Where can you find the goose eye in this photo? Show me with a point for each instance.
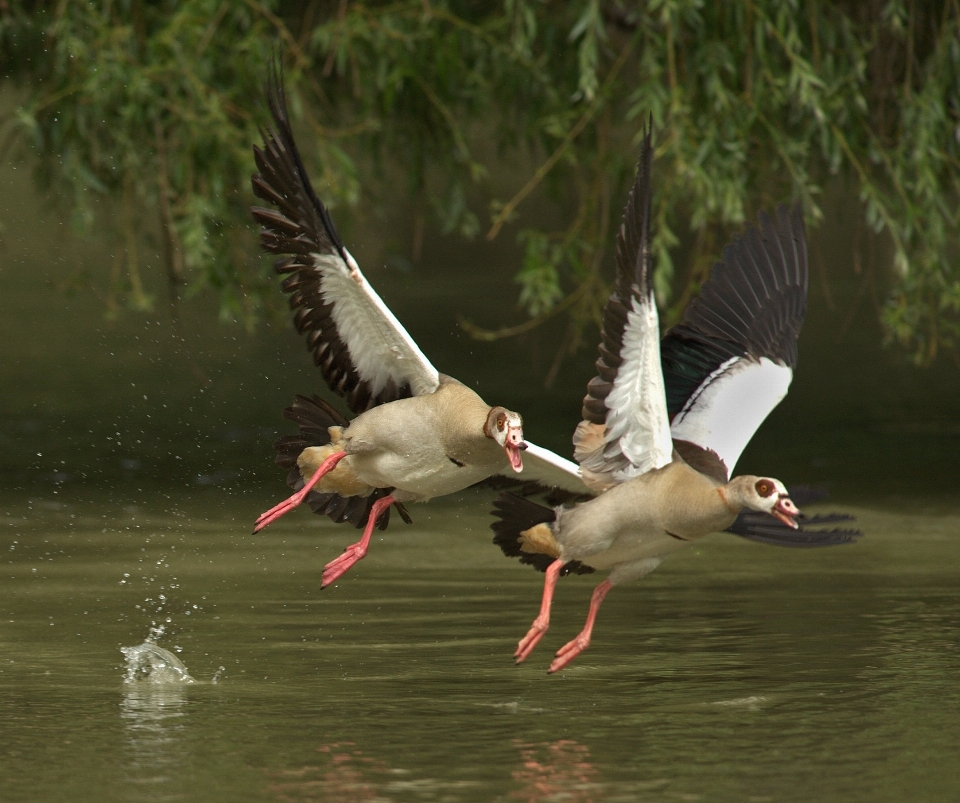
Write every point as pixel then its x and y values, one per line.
pixel 764 488
pixel 501 421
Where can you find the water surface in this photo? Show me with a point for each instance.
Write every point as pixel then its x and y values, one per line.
pixel 735 672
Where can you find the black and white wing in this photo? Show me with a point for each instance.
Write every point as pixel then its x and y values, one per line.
pixel 364 352
pixel 763 528
pixel 626 431
pixel 731 360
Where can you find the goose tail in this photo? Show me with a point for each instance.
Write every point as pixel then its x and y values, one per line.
pixel 522 530
pixel 314 417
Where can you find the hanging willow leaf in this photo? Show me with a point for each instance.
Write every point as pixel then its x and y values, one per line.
pixel 752 101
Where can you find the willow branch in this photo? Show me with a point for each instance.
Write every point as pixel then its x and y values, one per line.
pixel 174 252
pixel 868 185
pixel 447 115
pixel 478 333
pixel 302 61
pixel 572 134
pixel 273 19
pixel 211 29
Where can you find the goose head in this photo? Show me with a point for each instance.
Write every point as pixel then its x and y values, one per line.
pixel 765 495
pixel 506 428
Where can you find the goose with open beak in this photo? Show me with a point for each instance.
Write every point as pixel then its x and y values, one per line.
pixel 418 434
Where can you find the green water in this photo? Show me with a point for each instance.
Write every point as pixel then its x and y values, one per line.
pixel 735 672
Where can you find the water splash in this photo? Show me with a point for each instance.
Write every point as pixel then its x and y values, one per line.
pixel 148 663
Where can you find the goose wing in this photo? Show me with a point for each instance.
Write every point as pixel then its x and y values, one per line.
pixel 731 360
pixel 763 528
pixel 625 430
pixel 549 470
pixel 362 350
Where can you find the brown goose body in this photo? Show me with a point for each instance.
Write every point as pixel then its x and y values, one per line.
pixel 422 447
pixel 645 518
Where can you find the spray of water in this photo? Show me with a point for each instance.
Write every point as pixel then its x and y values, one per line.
pixel 149 663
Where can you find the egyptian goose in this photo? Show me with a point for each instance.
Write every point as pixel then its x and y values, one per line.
pixel 665 422
pixel 418 434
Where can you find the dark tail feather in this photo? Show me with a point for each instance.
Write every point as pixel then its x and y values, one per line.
pixel 516 514
pixel 314 416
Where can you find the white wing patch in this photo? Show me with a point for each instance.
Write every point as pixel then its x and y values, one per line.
pixel 548 468
pixel 379 346
pixel 637 423
pixel 730 406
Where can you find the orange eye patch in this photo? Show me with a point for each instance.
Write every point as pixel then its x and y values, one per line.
pixel 764 488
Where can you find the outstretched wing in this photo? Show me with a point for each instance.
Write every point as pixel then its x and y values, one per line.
pixel 625 431
pixel 731 360
pixel 763 528
pixel 364 352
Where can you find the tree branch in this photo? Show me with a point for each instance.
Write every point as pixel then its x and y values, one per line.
pixel 572 134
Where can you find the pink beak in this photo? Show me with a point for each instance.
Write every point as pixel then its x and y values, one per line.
pixel 513 447
pixel 786 512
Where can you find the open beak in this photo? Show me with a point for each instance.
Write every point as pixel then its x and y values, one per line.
pixel 786 511
pixel 513 447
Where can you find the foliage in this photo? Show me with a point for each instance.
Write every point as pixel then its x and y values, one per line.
pixel 155 105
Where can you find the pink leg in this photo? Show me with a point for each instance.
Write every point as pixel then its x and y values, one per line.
pixel 572 649
pixel 542 622
pixel 340 566
pixel 287 505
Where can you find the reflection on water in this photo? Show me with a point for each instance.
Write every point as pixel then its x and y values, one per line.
pixel 152 714
pixel 544 772
pixel 343 775
pixel 153 720
pixel 555 771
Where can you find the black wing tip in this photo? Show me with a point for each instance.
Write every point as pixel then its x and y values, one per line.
pixel 634 236
pixel 756 294
pixel 276 92
pixel 804 540
pixel 764 529
pixel 646 200
pixel 515 514
pixel 282 133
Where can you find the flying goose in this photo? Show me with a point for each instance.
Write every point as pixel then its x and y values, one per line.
pixel 664 422
pixel 418 434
